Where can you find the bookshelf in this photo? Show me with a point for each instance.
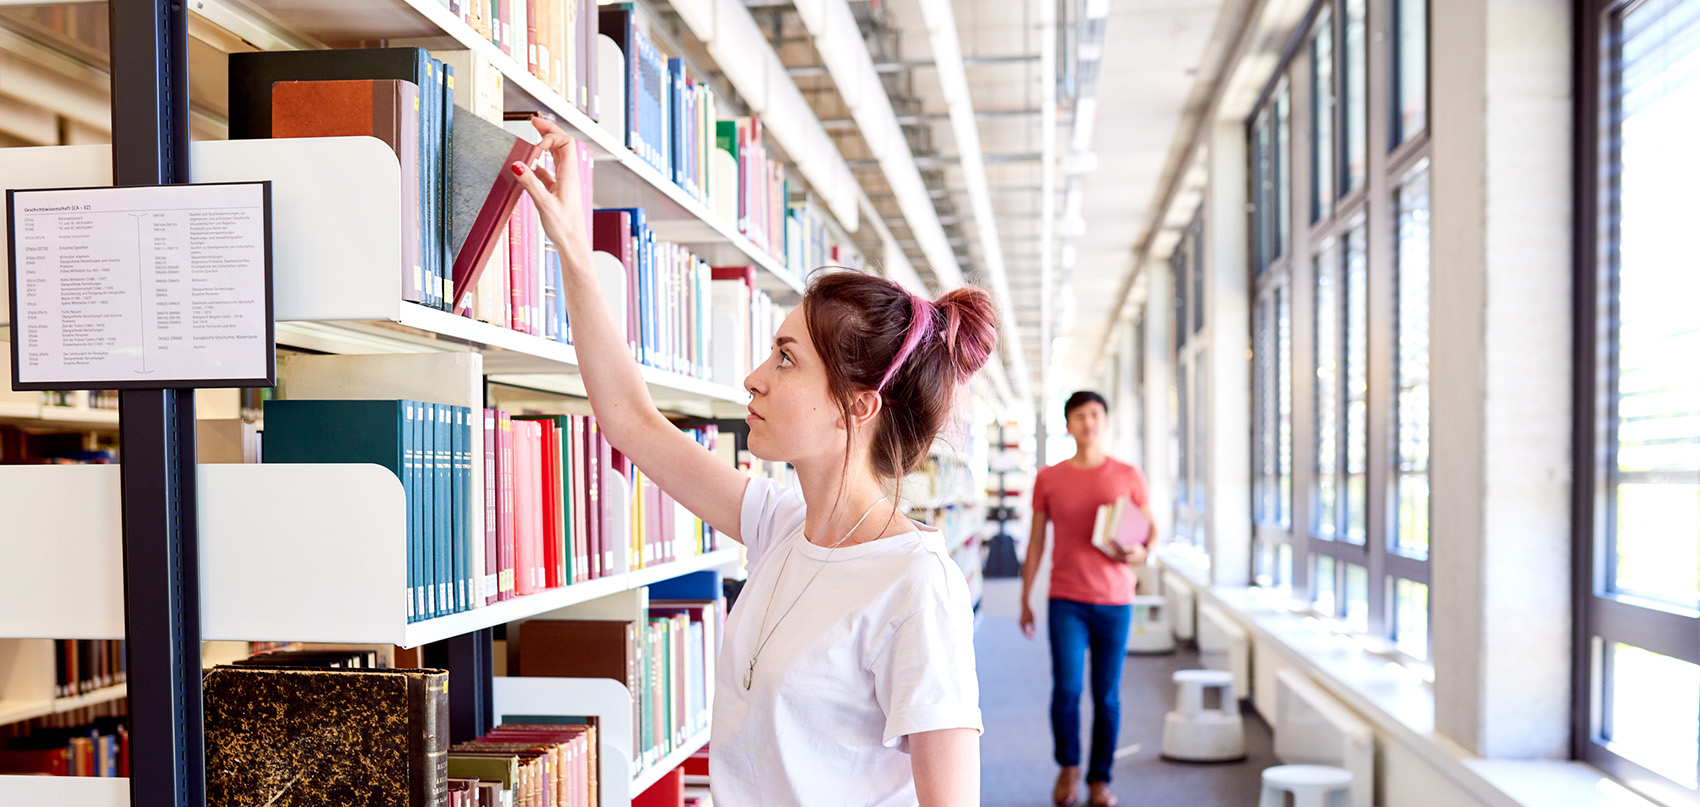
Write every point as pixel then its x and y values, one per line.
pixel 622 178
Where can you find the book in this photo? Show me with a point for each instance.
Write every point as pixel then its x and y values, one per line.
pixel 279 737
pixel 385 109
pixel 486 192
pixel 1121 524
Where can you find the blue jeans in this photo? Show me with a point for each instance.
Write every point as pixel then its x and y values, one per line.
pixel 1076 626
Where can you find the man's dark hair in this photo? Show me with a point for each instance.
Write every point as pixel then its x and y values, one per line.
pixel 1083 398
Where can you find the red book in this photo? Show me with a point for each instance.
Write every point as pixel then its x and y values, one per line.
pixel 518 310
pixel 530 57
pixel 552 505
pixel 668 791
pixel 611 232
pixel 580 492
pixel 504 23
pixel 526 519
pixel 492 493
pixel 593 510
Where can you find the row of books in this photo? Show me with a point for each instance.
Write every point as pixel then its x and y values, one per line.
pixel 540 764
pixel 85 665
pixel 667 312
pixel 88 742
pixel 546 520
pixel 403 96
pixel 554 40
pixel 92 399
pixel 660 643
pixel 21 447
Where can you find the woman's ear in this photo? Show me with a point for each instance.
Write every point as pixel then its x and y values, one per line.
pixel 865 408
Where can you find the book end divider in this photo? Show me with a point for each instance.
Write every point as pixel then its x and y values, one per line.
pixel 162 622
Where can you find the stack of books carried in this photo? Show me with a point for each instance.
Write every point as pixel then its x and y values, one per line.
pixel 1120 525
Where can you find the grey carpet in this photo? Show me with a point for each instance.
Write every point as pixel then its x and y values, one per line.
pixel 1015 754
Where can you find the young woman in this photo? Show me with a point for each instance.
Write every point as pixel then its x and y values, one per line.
pixel 846 674
pixel 1089 595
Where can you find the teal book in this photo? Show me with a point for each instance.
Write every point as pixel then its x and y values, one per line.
pixel 429 508
pixel 445 187
pixel 445 507
pixel 410 484
pixel 299 431
pixel 416 546
pixel 461 484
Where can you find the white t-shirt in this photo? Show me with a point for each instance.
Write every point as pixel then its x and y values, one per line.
pixel 880 646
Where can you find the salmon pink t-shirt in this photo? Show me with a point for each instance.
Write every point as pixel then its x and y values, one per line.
pixel 1070 497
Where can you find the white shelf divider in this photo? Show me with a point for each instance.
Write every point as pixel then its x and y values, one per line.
pixel 63 791
pixel 610 703
pixel 309 553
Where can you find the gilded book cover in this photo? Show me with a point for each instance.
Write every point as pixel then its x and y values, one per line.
pixel 308 738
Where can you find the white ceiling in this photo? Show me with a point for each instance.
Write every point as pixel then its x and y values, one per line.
pixel 1151 63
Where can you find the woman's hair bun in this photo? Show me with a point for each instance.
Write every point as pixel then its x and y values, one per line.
pixel 970 329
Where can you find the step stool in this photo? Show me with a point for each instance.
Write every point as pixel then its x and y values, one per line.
pixel 1311 786
pixel 1192 733
pixel 1150 632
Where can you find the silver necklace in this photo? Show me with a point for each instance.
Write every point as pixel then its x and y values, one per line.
pixel 750 674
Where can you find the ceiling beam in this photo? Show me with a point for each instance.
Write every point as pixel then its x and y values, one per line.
pixel 900 67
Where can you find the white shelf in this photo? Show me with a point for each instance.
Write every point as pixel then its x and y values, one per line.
pixel 329 540
pixel 102 695
pixel 652 774
pixel 58 417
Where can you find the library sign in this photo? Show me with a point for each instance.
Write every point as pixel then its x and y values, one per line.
pixel 166 286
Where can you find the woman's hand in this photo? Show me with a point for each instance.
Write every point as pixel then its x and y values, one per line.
pixel 559 203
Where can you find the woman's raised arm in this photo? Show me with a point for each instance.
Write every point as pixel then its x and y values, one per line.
pixel 624 410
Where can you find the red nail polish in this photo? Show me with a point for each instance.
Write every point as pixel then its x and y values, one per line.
pixel 519 170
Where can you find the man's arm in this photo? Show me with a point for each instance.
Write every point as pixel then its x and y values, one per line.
pixel 1030 569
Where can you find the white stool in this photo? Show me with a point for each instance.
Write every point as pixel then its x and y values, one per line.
pixel 1311 786
pixel 1150 631
pixel 1193 733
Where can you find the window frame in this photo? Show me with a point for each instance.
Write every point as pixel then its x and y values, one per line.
pixel 1602 619
pixel 1372 205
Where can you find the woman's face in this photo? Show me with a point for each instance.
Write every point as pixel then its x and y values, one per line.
pixel 792 416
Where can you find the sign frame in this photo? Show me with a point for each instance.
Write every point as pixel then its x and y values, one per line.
pixel 269 345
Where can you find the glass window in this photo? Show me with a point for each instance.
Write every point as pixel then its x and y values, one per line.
pixel 1356 82
pixel 1201 434
pixel 1410 49
pixel 1655 417
pixel 1640 490
pixel 1263 452
pixel 1263 194
pixel 1325 587
pixel 1183 475
pixel 1283 167
pixel 1322 117
pixel 1356 380
pixel 1328 403
pixel 1654 712
pixel 1195 267
pixel 1410 619
pixel 1411 404
pixel 1284 405
pixel 1357 597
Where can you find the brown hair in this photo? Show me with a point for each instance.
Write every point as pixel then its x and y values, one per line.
pixel 872 334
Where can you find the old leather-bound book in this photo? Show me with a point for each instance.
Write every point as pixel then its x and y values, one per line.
pixel 310 737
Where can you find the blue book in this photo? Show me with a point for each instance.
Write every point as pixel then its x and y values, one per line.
pixel 300 431
pixel 446 258
pixel 619 23
pixel 467 589
pixel 703 585
pixel 429 508
pixel 675 122
pixel 445 508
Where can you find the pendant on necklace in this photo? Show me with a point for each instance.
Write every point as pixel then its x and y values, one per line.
pixel 750 674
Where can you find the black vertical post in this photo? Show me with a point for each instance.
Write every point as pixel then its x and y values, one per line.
pixel 469 658
pixel 150 136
